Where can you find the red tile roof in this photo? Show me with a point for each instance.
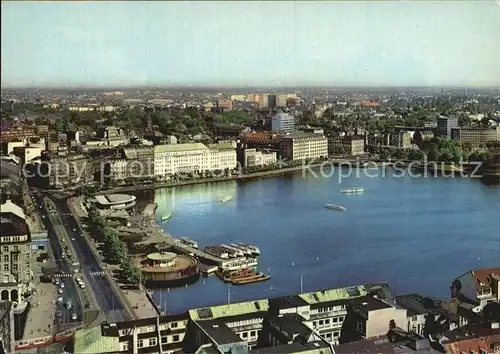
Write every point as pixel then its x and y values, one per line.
pixel 483 277
pixel 473 345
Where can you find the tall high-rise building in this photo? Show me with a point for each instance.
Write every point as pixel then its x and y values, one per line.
pixel 283 122
pixel 272 101
pixel 445 125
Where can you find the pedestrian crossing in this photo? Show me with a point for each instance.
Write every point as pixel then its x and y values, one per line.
pixel 96 273
pixel 68 275
pixel 63 275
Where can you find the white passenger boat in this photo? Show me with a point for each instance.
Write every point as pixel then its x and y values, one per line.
pixel 237 251
pixel 246 251
pixel 240 264
pixel 352 190
pixel 335 207
pixel 254 249
pixel 214 251
pixel 226 199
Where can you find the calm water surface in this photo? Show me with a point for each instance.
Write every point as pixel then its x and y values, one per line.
pixel 416 233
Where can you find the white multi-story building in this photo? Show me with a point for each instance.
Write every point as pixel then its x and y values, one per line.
pixel 197 157
pixel 301 146
pixel 260 158
pixel 283 122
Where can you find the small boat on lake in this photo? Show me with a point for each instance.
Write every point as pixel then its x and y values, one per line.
pixel 226 199
pixel 335 207
pixel 352 190
pixel 166 217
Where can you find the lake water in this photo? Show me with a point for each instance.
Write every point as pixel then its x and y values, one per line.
pixel 416 233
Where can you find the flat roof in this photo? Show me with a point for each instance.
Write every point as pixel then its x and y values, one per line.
pixel 161 256
pixel 180 147
pixel 219 332
pixel 108 199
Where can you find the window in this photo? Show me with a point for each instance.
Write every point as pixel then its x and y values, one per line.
pixel 152 342
pixel 244 334
pixel 336 334
pixel 5 248
pixel 14 267
pixel 16 248
pixel 5 267
pixel 140 343
pixel 14 258
pixel 6 258
pixel 164 340
pixel 253 334
pixel 175 338
pixel 173 325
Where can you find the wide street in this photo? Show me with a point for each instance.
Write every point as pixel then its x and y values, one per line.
pixel 69 309
pixel 110 303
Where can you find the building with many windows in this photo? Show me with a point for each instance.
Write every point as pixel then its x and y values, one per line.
pixel 15 254
pixel 476 136
pixel 349 145
pixel 283 122
pixel 190 158
pixel 301 146
pixel 445 125
pixel 311 323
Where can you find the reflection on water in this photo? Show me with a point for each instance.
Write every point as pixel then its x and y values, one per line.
pixel 416 233
pixel 198 199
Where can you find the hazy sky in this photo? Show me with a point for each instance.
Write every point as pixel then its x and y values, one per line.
pixel 251 43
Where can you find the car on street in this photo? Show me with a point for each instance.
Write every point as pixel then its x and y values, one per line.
pixel 60 299
pixel 62 285
pixel 73 317
pixel 60 291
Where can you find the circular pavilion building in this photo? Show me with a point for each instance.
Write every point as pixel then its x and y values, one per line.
pixel 167 269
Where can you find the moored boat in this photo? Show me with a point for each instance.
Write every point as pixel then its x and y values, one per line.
pixel 246 251
pixel 237 251
pixel 226 199
pixel 352 190
pixel 189 242
pixel 335 207
pixel 240 264
pixel 254 249
pixel 214 251
pixel 250 279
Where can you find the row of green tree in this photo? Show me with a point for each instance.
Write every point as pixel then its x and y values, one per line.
pixel 115 249
pixel 439 150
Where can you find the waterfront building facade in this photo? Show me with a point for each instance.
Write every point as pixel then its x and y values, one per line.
pixel 401 139
pixel 254 157
pixel 283 122
pixel 131 162
pixel 445 125
pixel 64 169
pixel 301 146
pixel 305 323
pixel 476 136
pixel 349 145
pixel 478 287
pixel 191 158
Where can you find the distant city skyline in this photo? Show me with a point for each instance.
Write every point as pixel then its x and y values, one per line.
pixel 250 44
